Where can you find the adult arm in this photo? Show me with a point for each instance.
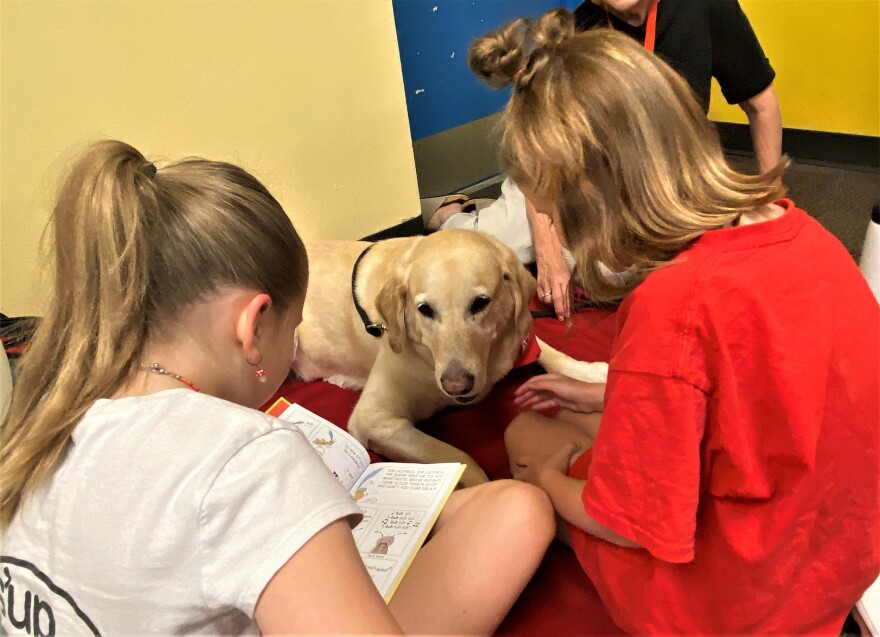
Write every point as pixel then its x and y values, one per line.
pixel 553 273
pixel 746 78
pixel 765 126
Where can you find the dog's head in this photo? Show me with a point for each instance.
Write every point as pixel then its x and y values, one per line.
pixel 461 303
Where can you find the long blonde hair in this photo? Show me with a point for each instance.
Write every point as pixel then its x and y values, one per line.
pixel 613 139
pixel 133 248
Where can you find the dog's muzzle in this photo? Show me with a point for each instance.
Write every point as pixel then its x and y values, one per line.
pixel 456 381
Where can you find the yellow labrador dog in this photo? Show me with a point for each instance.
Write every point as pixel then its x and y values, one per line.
pixel 419 323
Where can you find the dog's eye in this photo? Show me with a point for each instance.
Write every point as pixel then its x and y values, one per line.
pixel 480 303
pixel 425 310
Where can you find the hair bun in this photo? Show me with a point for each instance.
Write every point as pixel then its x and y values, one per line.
pixel 498 56
pixel 553 28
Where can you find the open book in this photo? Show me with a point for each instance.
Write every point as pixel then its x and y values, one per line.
pixel 400 501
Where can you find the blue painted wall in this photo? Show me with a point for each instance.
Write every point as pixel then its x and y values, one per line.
pixel 433 37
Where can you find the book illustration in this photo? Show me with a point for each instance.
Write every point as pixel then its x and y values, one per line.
pixel 387 540
pixel 341 452
pixel 383 543
pixel 386 531
pixel 321 444
pixel 345 458
pixel 361 492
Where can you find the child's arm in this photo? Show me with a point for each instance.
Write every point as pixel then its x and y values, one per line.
pixel 565 493
pixel 324 588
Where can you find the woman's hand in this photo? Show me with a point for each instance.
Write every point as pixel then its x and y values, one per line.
pixel 553 273
pixel 555 390
pixel 553 279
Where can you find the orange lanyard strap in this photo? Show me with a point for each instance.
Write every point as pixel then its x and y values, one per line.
pixel 650 26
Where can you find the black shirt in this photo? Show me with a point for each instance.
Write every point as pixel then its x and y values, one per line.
pixel 700 39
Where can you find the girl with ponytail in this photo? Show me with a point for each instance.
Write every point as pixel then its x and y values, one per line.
pixel 140 489
pixel 735 471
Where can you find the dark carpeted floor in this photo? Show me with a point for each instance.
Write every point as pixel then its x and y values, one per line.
pixel 840 197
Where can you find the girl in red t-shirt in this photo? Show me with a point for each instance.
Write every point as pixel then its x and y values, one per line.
pixel 732 486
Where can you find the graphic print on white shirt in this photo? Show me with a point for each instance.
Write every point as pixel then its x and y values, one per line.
pixel 31 604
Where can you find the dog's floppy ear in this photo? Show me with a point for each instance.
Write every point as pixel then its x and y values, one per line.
pixel 391 303
pixel 522 285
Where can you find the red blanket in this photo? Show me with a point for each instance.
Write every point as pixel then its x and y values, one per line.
pixel 560 600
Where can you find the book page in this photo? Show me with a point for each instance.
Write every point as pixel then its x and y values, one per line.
pixel 341 452
pixel 400 502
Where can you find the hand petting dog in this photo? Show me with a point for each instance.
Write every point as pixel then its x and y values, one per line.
pixel 549 391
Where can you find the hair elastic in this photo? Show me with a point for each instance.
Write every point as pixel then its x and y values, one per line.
pixel 150 170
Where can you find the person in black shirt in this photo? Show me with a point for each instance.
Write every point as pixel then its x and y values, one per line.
pixel 700 39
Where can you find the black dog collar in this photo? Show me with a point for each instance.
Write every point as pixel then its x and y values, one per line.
pixel 373 329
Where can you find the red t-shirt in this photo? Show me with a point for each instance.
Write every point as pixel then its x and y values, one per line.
pixel 739 444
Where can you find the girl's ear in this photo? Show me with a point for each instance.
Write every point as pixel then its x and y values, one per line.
pixel 251 323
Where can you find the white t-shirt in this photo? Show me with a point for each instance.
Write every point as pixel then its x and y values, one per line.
pixel 169 515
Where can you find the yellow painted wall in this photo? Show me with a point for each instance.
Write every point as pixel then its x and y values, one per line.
pixel 827 62
pixel 306 94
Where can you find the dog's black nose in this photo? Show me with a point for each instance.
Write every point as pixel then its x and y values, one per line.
pixel 456 381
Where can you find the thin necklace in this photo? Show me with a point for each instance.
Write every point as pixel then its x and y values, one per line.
pixel 157 368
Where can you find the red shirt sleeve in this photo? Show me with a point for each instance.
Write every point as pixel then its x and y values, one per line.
pixel 644 479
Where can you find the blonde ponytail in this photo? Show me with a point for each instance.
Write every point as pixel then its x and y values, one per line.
pixel 133 248
pixel 85 345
